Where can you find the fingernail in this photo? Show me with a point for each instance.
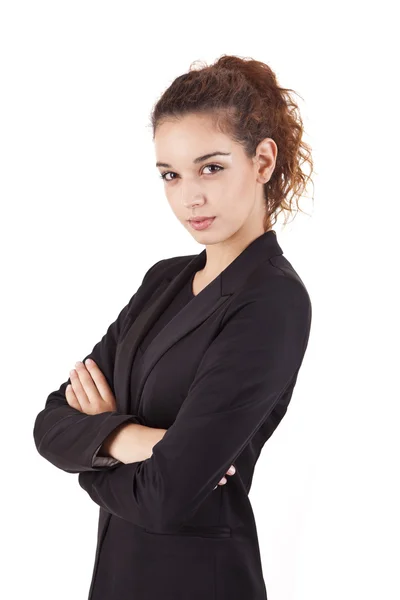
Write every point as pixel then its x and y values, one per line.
pixel 232 470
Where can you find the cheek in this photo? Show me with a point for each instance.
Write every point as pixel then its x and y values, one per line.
pixel 232 202
pixel 244 194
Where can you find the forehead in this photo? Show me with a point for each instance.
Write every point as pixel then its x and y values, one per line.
pixel 188 138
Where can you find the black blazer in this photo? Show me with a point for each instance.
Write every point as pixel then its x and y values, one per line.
pixel 219 377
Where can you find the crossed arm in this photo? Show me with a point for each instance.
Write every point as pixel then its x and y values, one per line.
pixel 243 375
pixel 90 393
pixel 128 443
pixel 246 371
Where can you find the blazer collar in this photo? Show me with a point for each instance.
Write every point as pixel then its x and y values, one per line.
pixel 197 310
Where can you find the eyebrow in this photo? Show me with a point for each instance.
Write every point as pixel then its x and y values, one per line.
pixel 198 159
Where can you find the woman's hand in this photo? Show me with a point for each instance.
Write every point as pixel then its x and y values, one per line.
pixel 89 391
pixel 230 471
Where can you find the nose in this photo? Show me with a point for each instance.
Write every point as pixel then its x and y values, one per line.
pixel 190 198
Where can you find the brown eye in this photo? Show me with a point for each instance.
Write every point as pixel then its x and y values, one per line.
pixel 217 166
pixel 163 176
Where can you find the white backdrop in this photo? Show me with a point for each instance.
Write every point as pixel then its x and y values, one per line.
pixel 84 216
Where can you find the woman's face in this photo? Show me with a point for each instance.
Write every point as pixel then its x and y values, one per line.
pixel 226 186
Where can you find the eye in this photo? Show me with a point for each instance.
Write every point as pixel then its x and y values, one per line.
pixel 218 167
pixel 164 175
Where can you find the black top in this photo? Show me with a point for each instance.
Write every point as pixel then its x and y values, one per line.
pixel 184 295
pixel 120 540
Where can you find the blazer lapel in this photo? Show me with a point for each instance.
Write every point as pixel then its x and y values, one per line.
pixel 128 348
pixel 215 294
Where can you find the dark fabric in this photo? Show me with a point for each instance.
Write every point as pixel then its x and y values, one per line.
pixel 120 544
pixel 218 372
pixel 178 302
pixel 69 439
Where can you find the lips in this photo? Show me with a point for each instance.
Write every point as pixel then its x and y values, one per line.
pixel 200 219
pixel 201 223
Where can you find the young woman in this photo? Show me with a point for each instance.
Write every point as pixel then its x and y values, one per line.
pixel 198 369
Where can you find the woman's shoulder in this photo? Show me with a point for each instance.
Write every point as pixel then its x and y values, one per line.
pixel 279 266
pixel 274 285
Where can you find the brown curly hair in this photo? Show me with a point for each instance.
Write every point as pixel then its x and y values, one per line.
pixel 244 101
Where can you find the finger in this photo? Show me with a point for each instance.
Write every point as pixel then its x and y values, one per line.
pixel 219 484
pixel 88 386
pixel 71 398
pixel 79 390
pixel 99 379
pixel 222 482
pixel 230 471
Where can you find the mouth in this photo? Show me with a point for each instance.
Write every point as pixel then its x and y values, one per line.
pixel 201 223
pixel 199 219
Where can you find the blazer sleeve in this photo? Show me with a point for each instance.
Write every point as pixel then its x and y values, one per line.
pixel 242 376
pixel 70 439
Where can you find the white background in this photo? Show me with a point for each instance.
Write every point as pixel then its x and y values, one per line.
pixel 84 216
